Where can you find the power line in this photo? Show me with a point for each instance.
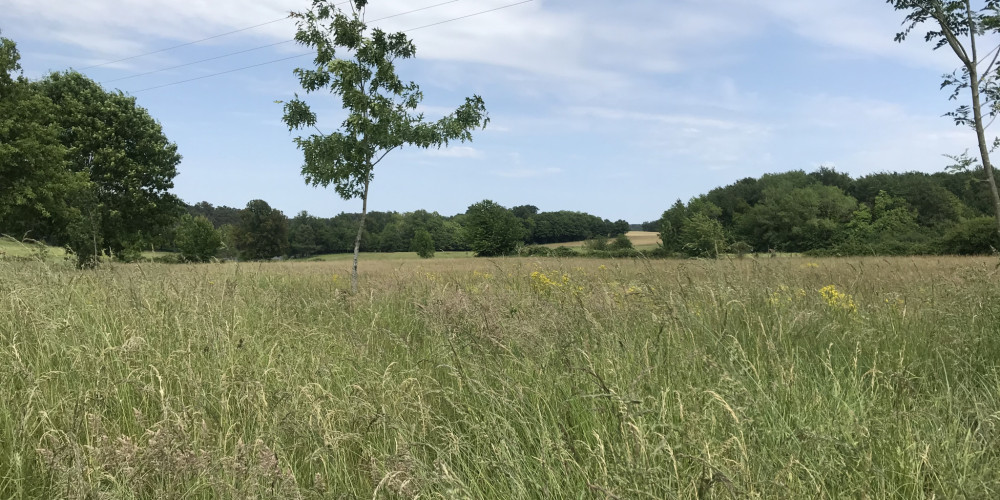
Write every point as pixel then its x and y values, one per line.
pixel 196 62
pixel 515 4
pixel 470 15
pixel 253 48
pixel 222 72
pixel 185 44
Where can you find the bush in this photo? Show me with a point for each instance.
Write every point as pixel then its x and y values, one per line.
pixel 621 242
pixel 423 244
pixel 197 240
pixel 596 244
pixel 535 251
pixel 564 252
pixel 976 236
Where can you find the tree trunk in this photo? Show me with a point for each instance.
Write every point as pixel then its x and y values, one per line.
pixel 357 240
pixel 984 148
pixel 972 65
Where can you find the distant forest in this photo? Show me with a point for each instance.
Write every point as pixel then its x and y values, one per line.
pixel 824 212
pixel 305 235
pixel 830 213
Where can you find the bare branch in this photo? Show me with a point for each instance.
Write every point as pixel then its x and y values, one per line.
pixel 383 156
pixel 989 68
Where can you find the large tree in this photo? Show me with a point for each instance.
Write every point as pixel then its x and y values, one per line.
pixel 957 25
pixel 381 109
pixel 492 230
pixel 36 185
pixel 262 232
pixel 124 154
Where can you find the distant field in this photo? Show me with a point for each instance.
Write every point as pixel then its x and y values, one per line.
pixel 502 378
pixel 12 248
pixel 387 256
pixel 641 240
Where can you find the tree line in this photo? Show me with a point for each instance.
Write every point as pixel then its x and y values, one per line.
pixel 826 212
pixel 259 231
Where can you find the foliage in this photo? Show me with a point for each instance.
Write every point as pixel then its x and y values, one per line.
pixel 37 188
pixel 493 230
pixel 381 108
pixel 123 153
pixel 972 237
pixel 423 244
pixel 596 244
pixel 703 236
pixel 196 239
pixel 621 242
pixel 262 233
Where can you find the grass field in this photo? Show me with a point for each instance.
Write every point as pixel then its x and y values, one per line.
pixel 502 378
pixel 9 247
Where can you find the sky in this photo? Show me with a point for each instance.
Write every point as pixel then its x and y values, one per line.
pixel 612 108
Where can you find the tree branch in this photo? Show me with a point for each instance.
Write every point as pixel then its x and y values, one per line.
pixel 989 68
pixel 383 156
pixel 949 35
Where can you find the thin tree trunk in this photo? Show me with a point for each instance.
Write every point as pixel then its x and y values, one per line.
pixel 984 152
pixel 977 114
pixel 357 240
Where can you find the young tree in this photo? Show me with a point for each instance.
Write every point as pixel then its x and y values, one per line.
pixel 381 108
pixel 197 239
pixel 423 244
pixel 960 27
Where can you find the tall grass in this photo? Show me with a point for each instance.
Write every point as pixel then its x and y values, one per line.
pixel 502 379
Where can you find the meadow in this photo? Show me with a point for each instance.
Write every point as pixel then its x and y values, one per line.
pixel 502 378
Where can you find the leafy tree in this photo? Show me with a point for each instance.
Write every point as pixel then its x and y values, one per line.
pixel 957 25
pixel 36 187
pixel 196 239
pixel 423 244
pixel 381 108
pixel 972 237
pixel 796 220
pixel 228 235
pixel 123 153
pixel 262 233
pixel 492 230
pixel 620 227
pixel 888 228
pixel 671 223
pixel 303 235
pixel 702 236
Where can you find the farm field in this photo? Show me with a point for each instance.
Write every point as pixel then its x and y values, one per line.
pixel 502 378
pixel 642 240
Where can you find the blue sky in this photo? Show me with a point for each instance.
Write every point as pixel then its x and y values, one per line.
pixel 613 108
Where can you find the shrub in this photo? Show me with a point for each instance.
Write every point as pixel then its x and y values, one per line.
pixel 197 240
pixel 621 242
pixel 423 244
pixel 976 236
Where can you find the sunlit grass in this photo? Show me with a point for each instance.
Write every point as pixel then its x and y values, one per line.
pixel 502 378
